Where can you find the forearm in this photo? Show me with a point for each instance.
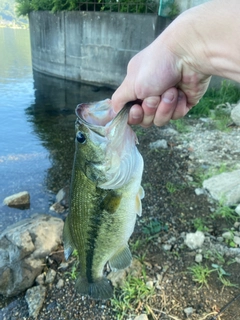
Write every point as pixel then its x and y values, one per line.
pixel 207 38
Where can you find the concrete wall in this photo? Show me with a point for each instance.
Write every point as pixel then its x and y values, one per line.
pixel 90 46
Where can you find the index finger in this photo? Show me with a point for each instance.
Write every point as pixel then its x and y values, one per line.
pixel 122 95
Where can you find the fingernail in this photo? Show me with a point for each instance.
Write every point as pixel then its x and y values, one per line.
pixel 168 97
pixel 152 102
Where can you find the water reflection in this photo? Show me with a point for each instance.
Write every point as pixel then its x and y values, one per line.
pixel 53 118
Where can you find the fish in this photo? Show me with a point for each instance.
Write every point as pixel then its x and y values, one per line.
pixel 105 195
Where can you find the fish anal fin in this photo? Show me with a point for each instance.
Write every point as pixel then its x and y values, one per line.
pixel 101 289
pixel 121 259
pixel 67 240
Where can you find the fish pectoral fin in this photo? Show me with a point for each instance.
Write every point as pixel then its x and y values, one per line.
pixel 101 289
pixel 67 240
pixel 138 203
pixel 121 259
pixel 111 202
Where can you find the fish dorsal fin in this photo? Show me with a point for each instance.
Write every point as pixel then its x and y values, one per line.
pixel 121 259
pixel 67 240
pixel 138 203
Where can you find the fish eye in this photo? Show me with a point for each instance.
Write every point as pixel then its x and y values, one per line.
pixel 80 137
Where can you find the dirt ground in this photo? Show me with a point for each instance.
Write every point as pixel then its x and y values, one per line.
pixel 172 204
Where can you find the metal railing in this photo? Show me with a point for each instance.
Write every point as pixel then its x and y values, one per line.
pixel 149 6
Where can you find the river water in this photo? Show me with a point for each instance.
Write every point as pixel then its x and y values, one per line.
pixel 36 127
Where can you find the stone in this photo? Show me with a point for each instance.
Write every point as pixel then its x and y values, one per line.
pixel 62 196
pixel 237 209
pixel 24 247
pixel 198 258
pixel 161 143
pixel 141 317
pixel 35 298
pixel 194 240
pixel 60 284
pixel 199 191
pixel 235 114
pixel 50 276
pixel 40 280
pixel 227 235
pixel 18 199
pixel 224 187
pixel 188 311
pixel 236 240
pixel 57 207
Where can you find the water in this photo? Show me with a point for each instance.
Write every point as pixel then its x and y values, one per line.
pixel 36 127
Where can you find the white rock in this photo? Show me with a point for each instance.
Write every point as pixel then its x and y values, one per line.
pixel 50 276
pixel 141 317
pixel 194 240
pixel 167 247
pixel 224 187
pixel 237 209
pixel 236 239
pixel 198 258
pixel 188 311
pixel 161 143
pixel 199 191
pixel 235 114
pixel 227 235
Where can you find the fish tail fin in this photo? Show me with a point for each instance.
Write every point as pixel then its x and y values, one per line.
pixel 102 289
pixel 67 240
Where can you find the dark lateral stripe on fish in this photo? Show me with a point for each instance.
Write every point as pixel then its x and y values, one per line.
pixel 95 225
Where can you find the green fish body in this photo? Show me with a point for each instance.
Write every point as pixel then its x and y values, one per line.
pixel 105 196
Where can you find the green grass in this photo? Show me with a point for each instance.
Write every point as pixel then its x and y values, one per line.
pixel 200 274
pixel 135 292
pixel 200 224
pixel 228 92
pixel 180 125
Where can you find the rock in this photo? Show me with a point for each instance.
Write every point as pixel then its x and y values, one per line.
pixel 149 284
pixel 161 143
pixel 235 114
pixel 194 240
pixel 225 187
pixel 57 207
pixel 188 311
pixel 18 199
pixel 227 235
pixel 167 247
pixel 236 240
pixel 141 317
pixel 23 250
pixel 62 196
pixel 237 209
pixel 40 280
pixel 199 191
pixel 50 276
pixel 60 284
pixel 198 258
pixel 35 298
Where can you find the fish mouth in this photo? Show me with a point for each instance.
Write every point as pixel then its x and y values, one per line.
pixel 99 116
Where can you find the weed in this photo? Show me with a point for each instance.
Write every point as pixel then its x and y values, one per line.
pixel 154 226
pixel 222 274
pixel 200 274
pixel 132 296
pixel 73 273
pixel 228 92
pixel 180 125
pixel 199 224
pixel 225 212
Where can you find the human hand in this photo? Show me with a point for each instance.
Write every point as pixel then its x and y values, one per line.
pixel 167 85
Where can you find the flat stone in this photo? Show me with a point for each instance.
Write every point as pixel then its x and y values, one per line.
pixel 225 187
pixel 235 114
pixel 159 144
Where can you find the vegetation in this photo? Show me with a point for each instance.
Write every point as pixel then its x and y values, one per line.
pixel 131 6
pixel 228 93
pixel 132 297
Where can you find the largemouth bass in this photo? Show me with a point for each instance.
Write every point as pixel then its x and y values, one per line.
pixel 105 195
